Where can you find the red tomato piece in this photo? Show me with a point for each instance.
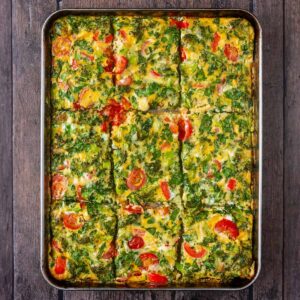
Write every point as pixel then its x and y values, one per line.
pixel 76 105
pixel 123 33
pixel 110 61
pixel 136 242
pixel 110 64
pixel 179 24
pixel 231 52
pixel 60 265
pixel 79 197
pixel 228 227
pixel 157 278
pixel 72 221
pixel 134 209
pixel 109 38
pixel 61 46
pixel 183 24
pixel 59 186
pixel 55 245
pixel 185 129
pixel 194 253
pixel 120 64
pixel 104 126
pixel 165 189
pixel 124 81
pixel 148 259
pixel 173 127
pixel 96 35
pixel 182 54
pixel 173 22
pixel 125 103
pixel 136 179
pixel 215 42
pixel 154 73
pixel 164 211
pixel 231 184
pixel 115 112
pixel 111 252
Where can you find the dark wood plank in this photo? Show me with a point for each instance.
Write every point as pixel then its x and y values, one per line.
pixel 28 17
pixel 291 152
pixel 269 283
pixel 6 233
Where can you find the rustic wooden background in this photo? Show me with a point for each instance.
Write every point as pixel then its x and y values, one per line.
pixel 20 28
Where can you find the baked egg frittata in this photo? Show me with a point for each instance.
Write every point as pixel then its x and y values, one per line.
pixel 151 150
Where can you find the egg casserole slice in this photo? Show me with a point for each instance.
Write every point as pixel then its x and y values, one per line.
pixel 147 244
pixel 81 247
pixel 217 245
pixel 216 68
pixel 146 62
pixel 81 62
pixel 146 159
pixel 217 160
pixel 80 160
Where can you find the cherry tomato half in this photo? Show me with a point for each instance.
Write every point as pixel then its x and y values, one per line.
pixel 185 129
pixel 120 64
pixel 231 184
pixel 109 38
pixel 136 242
pixel 111 252
pixel 231 52
pixel 134 209
pixel 165 189
pixel 194 253
pixel 148 259
pixel 136 179
pixel 60 265
pixel 59 186
pixel 228 227
pixel 215 42
pixel 72 221
pixel 155 74
pixel 157 278
pixel 123 33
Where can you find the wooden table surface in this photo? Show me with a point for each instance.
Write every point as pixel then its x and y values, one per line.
pixel 20 28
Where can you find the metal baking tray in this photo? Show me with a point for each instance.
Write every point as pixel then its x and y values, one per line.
pixel 45 138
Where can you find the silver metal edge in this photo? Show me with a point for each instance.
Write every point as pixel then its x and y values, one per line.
pixel 42 154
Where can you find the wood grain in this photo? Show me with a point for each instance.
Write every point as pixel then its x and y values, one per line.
pixel 6 257
pixel 28 17
pixel 269 283
pixel 292 152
